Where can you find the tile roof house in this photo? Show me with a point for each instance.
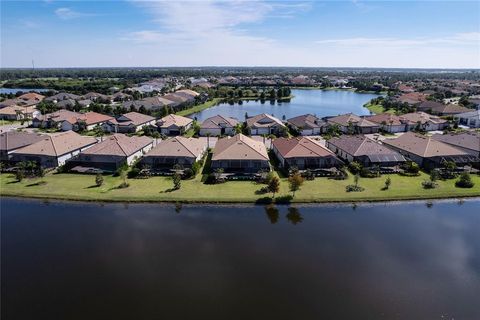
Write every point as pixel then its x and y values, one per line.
pixel 54 149
pixel 428 152
pixel 466 141
pixel 441 109
pixel 95 96
pixel 129 123
pixel 412 98
pixel 240 154
pixel 113 152
pixel 66 103
pixel 470 119
pixel 176 150
pixel 351 123
pixel 89 119
pixel 265 124
pixel 424 121
pixel 13 140
pixel 307 125
pixel 174 125
pixel 18 113
pixel 62 96
pixel 365 151
pixel 53 119
pixel 389 122
pixel 303 153
pixel 150 103
pixel 218 126
pixel 31 96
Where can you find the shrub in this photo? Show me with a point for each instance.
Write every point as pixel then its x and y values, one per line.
pixel 19 175
pixel 429 184
pixel 354 188
pixel 355 167
pixel 388 183
pixel 133 173
pixel 98 180
pixel 464 181
pixel 411 168
pixel 367 173
pixel 177 181
pixel 188 173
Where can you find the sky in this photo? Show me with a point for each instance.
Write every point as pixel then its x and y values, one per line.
pixel 394 34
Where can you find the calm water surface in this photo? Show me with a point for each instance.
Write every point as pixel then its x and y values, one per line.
pixel 25 90
pixel 320 102
pixel 65 260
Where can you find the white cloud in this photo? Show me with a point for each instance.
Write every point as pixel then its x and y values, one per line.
pixel 68 14
pixel 470 38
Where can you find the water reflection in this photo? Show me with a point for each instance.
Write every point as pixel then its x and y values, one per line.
pixel 382 261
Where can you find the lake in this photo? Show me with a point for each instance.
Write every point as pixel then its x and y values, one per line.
pixel 319 102
pixel 409 260
pixel 25 90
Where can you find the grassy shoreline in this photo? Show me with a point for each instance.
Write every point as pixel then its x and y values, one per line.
pixel 158 189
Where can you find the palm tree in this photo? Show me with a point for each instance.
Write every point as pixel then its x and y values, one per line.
pixel 208 134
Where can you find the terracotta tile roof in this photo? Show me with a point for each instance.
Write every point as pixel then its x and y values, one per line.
pixel 17 139
pixel 57 144
pixel 12 110
pixel 301 147
pixel 219 121
pixel 119 145
pixel 58 116
pixel 388 118
pixel 306 121
pixel 436 107
pixel 422 117
pixel 345 119
pixel 263 121
pixel 239 147
pixel 179 147
pixel 423 146
pixel 360 145
pixel 173 120
pixel 468 140
pixel 32 96
pixel 89 118
pixel 133 118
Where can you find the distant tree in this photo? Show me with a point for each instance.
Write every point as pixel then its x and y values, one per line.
pixel 295 181
pixel 177 181
pixel 274 186
pixel 99 180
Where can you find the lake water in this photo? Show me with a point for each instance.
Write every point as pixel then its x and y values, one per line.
pixel 65 260
pixel 25 90
pixel 320 102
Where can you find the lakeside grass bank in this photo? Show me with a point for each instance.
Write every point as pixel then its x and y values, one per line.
pixel 159 189
pixel 377 108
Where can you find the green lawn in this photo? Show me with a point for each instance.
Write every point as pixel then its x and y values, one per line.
pixel 377 108
pixel 199 107
pixel 81 187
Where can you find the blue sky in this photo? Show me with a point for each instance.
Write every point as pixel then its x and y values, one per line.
pixel 426 34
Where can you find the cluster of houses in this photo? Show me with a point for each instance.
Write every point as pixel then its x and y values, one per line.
pixel 25 106
pixel 234 152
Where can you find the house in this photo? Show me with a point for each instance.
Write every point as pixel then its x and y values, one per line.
pixel 120 96
pixel 465 141
pixel 389 122
pixel 31 96
pixel 307 125
pixel 113 152
pixel 174 125
pixel 54 119
pixel 128 123
pixel 63 96
pixel 85 121
pixel 218 126
pixel 365 151
pixel 18 113
pixel 180 151
pixel 30 99
pixel 150 103
pixel 441 109
pixel 470 119
pixel 351 123
pixel 54 149
pixel 240 154
pixel 265 124
pixel 412 98
pixel 13 140
pixel 66 104
pixel 97 97
pixel 424 121
pixel 428 152
pixel 303 153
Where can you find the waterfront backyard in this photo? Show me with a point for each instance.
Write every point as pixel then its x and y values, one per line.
pixel 159 189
